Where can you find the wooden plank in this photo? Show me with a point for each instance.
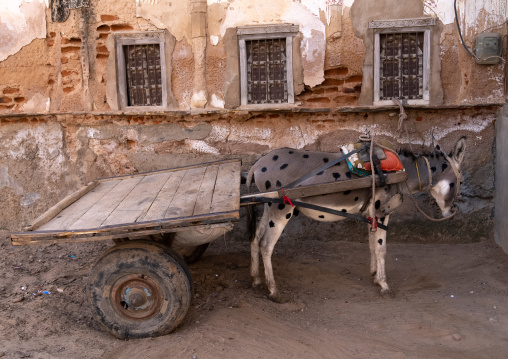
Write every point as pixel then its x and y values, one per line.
pixel 73 212
pixel 57 208
pixel 325 188
pixel 138 201
pixel 170 169
pixel 186 195
pixel 98 213
pixel 227 188
pixel 132 235
pixel 167 225
pixel 205 194
pixel 164 197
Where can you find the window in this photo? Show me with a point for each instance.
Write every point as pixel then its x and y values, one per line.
pixel 402 60
pixel 141 69
pixel 266 63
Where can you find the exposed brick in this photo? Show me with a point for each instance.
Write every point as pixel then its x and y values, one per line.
pixel 131 144
pixel 103 36
pixel 50 42
pixel 348 90
pixel 331 90
pixel 66 73
pixel 5 99
pixel 109 17
pixel 19 99
pixel 358 87
pixel 66 82
pixel 275 115
pixel 332 82
pixel 336 73
pixel 52 34
pixel 102 56
pixel 69 49
pixel 121 27
pixel 102 48
pixel 64 60
pixel 319 99
pixel 345 100
pixel 356 78
pixel 103 28
pixel 419 118
pixel 6 106
pixel 51 82
pixel 9 90
pixel 68 89
pixel 319 91
pixel 72 40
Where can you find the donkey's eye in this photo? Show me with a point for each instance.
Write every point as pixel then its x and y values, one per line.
pixel 452 184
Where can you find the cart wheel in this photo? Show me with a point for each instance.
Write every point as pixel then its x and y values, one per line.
pixel 189 254
pixel 139 289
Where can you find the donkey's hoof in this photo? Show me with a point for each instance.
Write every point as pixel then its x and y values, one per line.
pixel 387 293
pixel 256 284
pixel 275 297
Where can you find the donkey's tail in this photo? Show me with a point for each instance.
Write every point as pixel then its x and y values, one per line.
pixel 251 209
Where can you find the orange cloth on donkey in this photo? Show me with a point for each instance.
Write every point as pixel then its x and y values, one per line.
pixel 391 163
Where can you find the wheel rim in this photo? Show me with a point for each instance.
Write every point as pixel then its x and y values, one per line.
pixel 136 297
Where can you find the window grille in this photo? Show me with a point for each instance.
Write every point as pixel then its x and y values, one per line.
pixel 266 71
pixel 143 70
pixel 401 65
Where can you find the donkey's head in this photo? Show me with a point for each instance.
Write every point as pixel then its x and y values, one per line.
pixel 447 178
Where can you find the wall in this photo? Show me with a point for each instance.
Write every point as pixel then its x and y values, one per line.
pixel 59 130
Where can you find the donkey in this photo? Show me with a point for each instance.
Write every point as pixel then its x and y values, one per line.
pixel 437 173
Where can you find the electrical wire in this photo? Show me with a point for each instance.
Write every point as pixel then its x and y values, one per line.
pixel 460 32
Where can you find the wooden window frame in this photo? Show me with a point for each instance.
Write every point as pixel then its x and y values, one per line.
pixel 403 26
pixel 266 32
pixel 138 38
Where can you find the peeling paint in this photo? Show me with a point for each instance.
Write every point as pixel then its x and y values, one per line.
pixel 217 101
pixel 38 103
pixel 21 21
pixel 214 40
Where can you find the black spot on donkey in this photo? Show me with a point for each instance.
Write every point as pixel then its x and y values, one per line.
pixel 282 166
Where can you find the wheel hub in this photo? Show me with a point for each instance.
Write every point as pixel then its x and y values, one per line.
pixel 136 297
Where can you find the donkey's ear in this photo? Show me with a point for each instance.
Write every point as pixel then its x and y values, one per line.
pixel 459 151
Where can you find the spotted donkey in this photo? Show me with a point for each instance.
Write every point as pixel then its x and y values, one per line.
pixel 282 166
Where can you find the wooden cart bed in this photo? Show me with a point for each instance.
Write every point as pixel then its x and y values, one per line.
pixel 142 204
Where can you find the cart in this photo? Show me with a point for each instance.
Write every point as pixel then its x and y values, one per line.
pixel 141 286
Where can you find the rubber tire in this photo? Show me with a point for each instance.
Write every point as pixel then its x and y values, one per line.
pixel 189 254
pixel 153 263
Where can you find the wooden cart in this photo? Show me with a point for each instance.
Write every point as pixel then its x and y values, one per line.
pixel 141 287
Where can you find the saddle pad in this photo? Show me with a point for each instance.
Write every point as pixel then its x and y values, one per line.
pixel 389 160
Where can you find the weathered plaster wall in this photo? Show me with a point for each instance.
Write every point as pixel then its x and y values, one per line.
pixel 45 157
pixel 48 157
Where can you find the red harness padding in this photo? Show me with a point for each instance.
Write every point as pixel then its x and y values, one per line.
pixel 391 163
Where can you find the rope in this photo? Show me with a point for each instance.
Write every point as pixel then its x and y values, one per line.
pixel 454 211
pixel 419 180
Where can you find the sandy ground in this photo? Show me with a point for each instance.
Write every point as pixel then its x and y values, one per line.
pixel 450 302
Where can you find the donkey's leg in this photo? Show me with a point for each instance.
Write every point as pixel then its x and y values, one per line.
pixel 377 240
pixel 277 220
pixel 254 248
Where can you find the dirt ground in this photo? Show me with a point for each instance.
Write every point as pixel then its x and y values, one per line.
pixel 450 302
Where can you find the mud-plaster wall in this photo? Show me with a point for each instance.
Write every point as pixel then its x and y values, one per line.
pixel 45 157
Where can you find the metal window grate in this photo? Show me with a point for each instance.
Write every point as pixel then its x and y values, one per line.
pixel 401 65
pixel 144 80
pixel 266 71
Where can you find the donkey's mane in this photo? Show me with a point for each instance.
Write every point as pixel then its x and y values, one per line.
pixel 426 153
